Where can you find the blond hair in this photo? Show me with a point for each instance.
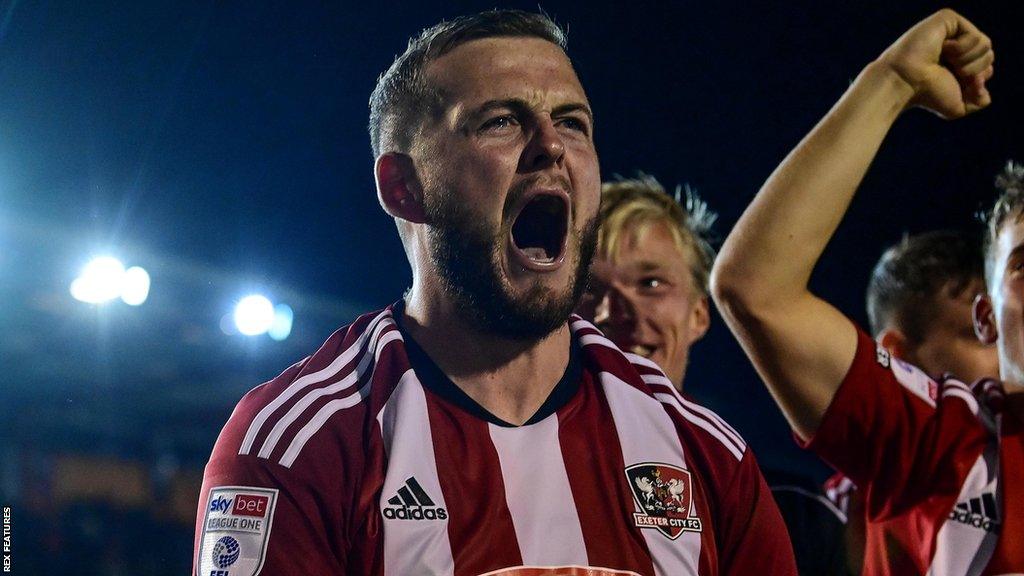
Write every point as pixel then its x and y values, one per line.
pixel 1009 204
pixel 632 205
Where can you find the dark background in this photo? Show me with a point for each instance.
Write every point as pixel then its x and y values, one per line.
pixel 223 147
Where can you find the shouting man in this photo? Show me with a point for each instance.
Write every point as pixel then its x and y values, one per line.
pixel 474 427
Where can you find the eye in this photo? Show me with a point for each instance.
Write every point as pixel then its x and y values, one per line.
pixel 651 282
pixel 499 123
pixel 575 124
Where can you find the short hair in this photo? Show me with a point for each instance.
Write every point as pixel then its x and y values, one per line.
pixel 402 97
pixel 1010 203
pixel 637 203
pixel 911 275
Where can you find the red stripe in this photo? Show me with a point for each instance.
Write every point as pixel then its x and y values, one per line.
pixel 604 502
pixel 479 523
pixel 708 562
pixel 285 440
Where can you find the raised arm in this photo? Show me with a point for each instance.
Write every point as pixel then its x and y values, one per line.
pixel 800 344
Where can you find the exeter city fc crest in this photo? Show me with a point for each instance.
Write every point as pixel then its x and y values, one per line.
pixel 665 494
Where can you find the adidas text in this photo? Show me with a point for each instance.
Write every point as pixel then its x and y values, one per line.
pixel 406 513
pixel 980 512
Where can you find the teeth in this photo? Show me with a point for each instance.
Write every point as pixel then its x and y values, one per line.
pixel 537 254
pixel 641 350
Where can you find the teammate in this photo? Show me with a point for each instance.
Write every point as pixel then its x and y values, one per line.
pixel 943 457
pixel 649 294
pixel 919 302
pixel 648 290
pixel 474 427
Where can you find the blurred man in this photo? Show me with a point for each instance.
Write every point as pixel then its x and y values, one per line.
pixel 454 432
pixel 649 282
pixel 943 457
pixel 649 294
pixel 919 302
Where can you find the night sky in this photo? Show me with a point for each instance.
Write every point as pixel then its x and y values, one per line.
pixel 223 146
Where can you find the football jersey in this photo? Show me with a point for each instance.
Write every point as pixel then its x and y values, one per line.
pixel 351 462
pixel 930 459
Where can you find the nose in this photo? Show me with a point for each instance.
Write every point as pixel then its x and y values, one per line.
pixel 615 309
pixel 545 148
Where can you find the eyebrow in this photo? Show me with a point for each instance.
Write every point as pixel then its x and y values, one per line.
pixel 649 266
pixel 520 105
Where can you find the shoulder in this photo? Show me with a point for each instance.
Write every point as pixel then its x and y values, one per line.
pixel 874 369
pixel 326 394
pixel 700 427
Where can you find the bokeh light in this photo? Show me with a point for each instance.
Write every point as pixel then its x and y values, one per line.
pixel 254 315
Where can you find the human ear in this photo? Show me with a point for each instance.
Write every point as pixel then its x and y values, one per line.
pixel 984 319
pixel 398 187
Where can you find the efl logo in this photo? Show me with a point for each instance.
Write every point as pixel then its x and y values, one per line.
pixel 250 505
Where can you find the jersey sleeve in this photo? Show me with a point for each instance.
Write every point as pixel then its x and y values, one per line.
pixel 754 539
pixel 892 429
pixel 259 516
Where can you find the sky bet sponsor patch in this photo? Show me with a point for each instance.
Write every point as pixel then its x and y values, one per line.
pixel 236 529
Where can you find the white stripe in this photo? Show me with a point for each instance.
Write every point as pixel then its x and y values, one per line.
pixel 543 512
pixel 956 384
pixel 715 418
pixel 657 379
pixel 308 380
pixel 672 396
pixel 972 402
pixel 331 408
pixel 579 324
pixel 317 422
pixel 702 424
pixel 296 410
pixel 958 546
pixel 601 340
pixel 412 547
pixel 638 359
pixel 588 339
pixel 647 434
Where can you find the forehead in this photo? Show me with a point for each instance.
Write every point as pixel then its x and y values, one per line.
pixel 1009 237
pixel 531 69
pixel 646 244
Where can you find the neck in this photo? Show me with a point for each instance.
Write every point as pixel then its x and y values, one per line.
pixel 510 378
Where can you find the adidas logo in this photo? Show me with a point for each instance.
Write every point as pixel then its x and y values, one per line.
pixel 412 503
pixel 980 512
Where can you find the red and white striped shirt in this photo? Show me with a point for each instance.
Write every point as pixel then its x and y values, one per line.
pixel 939 471
pixel 348 464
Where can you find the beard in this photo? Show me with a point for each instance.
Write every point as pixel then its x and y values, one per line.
pixel 467 255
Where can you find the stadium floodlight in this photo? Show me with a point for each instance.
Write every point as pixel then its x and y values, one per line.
pixel 254 315
pixel 100 281
pixel 282 325
pixel 135 286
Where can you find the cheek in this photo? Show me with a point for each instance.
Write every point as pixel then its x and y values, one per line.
pixel 585 175
pixel 671 315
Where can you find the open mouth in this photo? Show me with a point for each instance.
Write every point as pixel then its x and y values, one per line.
pixel 540 229
pixel 641 350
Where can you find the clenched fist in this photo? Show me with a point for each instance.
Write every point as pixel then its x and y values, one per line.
pixel 945 60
